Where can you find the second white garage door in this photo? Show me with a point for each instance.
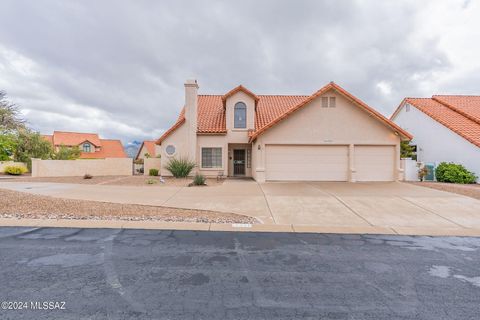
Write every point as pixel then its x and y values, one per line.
pixel 306 163
pixel 375 163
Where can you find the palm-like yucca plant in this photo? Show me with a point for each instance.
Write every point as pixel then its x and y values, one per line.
pixel 181 167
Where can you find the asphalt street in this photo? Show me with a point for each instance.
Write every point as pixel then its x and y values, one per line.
pixel 48 273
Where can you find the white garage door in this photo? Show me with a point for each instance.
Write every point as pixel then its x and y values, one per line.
pixel 375 163
pixel 306 163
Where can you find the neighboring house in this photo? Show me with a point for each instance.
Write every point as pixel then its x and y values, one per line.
pixel 91 146
pixel 147 148
pixel 446 128
pixel 328 136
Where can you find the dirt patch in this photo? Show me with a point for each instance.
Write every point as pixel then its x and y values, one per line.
pixel 14 204
pixel 118 181
pixel 469 190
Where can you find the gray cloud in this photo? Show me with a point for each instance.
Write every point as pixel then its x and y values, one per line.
pixel 118 67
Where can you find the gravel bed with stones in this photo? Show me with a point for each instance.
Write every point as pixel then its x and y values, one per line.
pixel 14 204
pixel 469 190
pixel 117 180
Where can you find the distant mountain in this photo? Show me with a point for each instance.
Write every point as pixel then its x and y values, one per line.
pixel 131 148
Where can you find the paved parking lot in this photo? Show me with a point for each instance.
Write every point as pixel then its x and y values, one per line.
pixel 390 204
pixel 140 274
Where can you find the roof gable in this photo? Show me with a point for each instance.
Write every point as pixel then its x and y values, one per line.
pixel 270 110
pixel 346 94
pixel 238 89
pixel 465 126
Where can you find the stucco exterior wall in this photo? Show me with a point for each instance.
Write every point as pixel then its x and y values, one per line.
pixel 143 151
pixel 4 164
pixel 346 124
pixel 151 163
pixel 178 138
pixel 72 168
pixel 212 141
pixel 435 142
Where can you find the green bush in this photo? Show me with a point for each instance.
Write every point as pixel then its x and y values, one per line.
pixel 153 172
pixel 15 170
pixel 151 181
pixel 199 180
pixel 180 168
pixel 454 173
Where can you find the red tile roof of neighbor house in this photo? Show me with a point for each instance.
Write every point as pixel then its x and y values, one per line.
pixel 461 114
pixel 271 109
pixel 149 145
pixel 108 148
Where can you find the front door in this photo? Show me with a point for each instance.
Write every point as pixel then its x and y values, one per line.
pixel 239 162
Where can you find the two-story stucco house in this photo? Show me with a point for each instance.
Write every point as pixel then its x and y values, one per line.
pixel 446 128
pixel 327 136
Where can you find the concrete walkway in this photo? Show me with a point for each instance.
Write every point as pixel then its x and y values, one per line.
pixel 305 205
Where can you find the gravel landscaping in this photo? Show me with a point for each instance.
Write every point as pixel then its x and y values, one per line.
pixel 147 181
pixel 469 190
pixel 14 204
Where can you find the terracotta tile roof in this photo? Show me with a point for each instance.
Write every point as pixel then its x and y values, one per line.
pixel 48 137
pixel 446 111
pixel 75 138
pixel 468 106
pixel 270 110
pixel 149 145
pixel 110 149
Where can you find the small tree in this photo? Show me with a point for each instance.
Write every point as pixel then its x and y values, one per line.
pixel 8 145
pixel 407 150
pixel 31 145
pixel 66 153
pixel 10 117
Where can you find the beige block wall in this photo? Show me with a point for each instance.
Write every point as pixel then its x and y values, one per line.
pixel 4 164
pixel 72 168
pixel 151 163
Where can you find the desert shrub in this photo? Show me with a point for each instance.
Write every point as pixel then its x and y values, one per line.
pixel 454 173
pixel 151 181
pixel 180 168
pixel 87 176
pixel 199 180
pixel 153 172
pixel 15 170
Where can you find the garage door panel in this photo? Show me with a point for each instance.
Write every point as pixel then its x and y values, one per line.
pixel 374 163
pixel 307 163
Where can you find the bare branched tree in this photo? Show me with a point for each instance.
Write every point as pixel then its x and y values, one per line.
pixel 10 117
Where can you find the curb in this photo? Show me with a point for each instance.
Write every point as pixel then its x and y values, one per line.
pixel 235 227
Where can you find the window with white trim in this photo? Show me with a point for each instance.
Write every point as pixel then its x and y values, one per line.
pixel 324 102
pixel 211 157
pixel 332 102
pixel 86 147
pixel 240 115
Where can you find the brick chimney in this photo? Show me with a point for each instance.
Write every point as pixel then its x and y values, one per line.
pixel 191 106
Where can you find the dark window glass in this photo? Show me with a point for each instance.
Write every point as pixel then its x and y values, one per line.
pixel 211 157
pixel 86 147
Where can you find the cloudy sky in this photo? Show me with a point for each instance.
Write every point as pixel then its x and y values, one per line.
pixel 118 67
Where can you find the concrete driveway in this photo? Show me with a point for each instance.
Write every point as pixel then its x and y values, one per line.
pixel 390 204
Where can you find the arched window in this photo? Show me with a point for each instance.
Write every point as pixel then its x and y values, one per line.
pixel 86 147
pixel 240 115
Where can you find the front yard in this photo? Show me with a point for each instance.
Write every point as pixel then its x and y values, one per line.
pixel 14 204
pixel 149 181
pixel 469 190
